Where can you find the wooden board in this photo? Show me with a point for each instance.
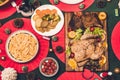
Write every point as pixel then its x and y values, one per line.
pixel 68 17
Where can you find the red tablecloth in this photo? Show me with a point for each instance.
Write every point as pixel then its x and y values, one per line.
pixel 8 10
pixel 77 76
pixel 115 40
pixel 72 7
pixel 33 64
pixel 60 42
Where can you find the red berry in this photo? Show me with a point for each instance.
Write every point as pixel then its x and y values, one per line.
pixel 45 67
pixel 49 68
pixel 54 67
pixel 50 60
pixel 51 71
pixel 92 29
pixel 72 55
pixel 44 63
pixel 48 64
pixel 69 29
pixel 98 39
pixel 53 63
pixel 43 70
pixel 105 74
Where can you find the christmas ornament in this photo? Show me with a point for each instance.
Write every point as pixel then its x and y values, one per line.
pixel 117 70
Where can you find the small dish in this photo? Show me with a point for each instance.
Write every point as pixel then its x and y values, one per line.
pixel 49 67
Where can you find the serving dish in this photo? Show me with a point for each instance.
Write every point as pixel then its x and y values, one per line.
pixel 41 10
pixel 71 1
pixel 86 41
pixel 48 67
pixel 22 46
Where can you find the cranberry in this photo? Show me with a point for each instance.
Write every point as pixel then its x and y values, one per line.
pixel 48 64
pixel 43 70
pixel 50 61
pixel 69 29
pixel 72 55
pixel 51 71
pixel 54 67
pixel 44 63
pixel 45 67
pixel 53 63
pixel 92 29
pixel 98 39
pixel 49 68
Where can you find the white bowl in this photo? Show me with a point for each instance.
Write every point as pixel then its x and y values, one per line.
pixel 48 75
pixel 71 1
pixel 15 33
pixel 58 26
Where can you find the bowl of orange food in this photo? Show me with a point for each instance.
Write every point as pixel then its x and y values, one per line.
pixel 3 2
pixel 47 20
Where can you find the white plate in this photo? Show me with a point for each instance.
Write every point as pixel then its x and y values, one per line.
pixel 71 1
pixel 58 26
pixel 15 33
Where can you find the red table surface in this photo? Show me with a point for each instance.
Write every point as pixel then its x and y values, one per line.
pixel 72 7
pixel 77 76
pixel 115 40
pixel 8 10
pixel 33 64
pixel 60 42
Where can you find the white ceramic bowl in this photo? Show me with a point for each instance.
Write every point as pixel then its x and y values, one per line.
pixel 46 60
pixel 58 26
pixel 8 41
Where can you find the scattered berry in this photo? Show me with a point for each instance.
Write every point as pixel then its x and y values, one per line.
pixel 18 23
pixel 56 1
pixel 72 55
pixel 7 31
pixel 24 68
pixel 59 49
pixel 92 29
pixel 101 3
pixel 54 38
pixel 98 39
pixel 104 74
pixel 82 6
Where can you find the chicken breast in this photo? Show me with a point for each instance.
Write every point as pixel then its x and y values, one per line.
pixel 79 48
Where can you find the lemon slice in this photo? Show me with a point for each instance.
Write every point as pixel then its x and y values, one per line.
pixel 105 45
pixel 72 63
pixel 103 37
pixel 102 61
pixel 71 34
pixel 102 15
